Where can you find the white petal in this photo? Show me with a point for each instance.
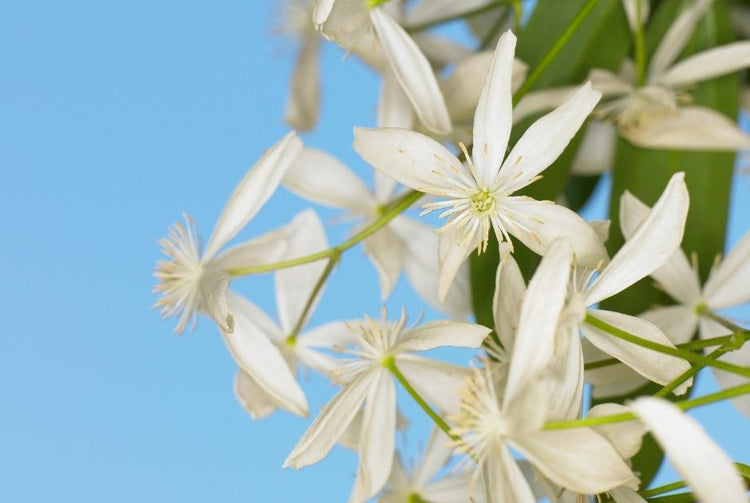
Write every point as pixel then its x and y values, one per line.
pixel 294 285
pixel 413 71
pixel 436 456
pixel 492 119
pixel 564 378
pixel 385 250
pixel 544 100
pixel 304 100
pixel 253 191
pixel 510 290
pixel 503 480
pixel 442 333
pixel 377 442
pixel 705 467
pixel 266 249
pixel 335 333
pixel 576 458
pixel 394 109
pixel 430 11
pixel 322 11
pixel 252 397
pixel 708 64
pixel 539 223
pixel 656 366
pixel 437 382
pixel 213 286
pixel 729 283
pixel 321 178
pixel 257 356
pixel 676 38
pixel 689 128
pixel 440 51
pixel 676 276
pixel 410 158
pixel 545 298
pixel 613 381
pixel 454 246
pixel 709 329
pixel 631 11
pixel 677 322
pixel 546 139
pixel 626 437
pixel 596 154
pixel 330 424
pixel 626 495
pixel 649 247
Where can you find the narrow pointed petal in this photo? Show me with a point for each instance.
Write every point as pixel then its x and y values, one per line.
pixel 674 41
pixel 539 223
pixel 385 187
pixel 596 154
pixel 709 329
pixel 612 84
pixel 294 285
pixel 631 11
pixel 577 458
pixel 328 335
pixel 266 249
pixel 322 11
pixel 330 424
pixel 430 11
pixel 708 64
pixel 213 287
pixel 729 283
pixel 377 442
pixel 493 116
pixel 413 72
pixel 656 366
pixel 546 139
pixel 454 246
pixel 677 322
pixel 689 128
pixel 545 298
pixel 253 399
pixel 564 378
pixel 441 51
pixel 321 178
pixel 385 250
pixel 411 158
pixel 261 360
pixel 649 247
pixel 437 382
pixel 394 109
pixel 436 456
pixel 626 437
pixel 304 100
pixel 510 290
pixel 676 276
pixel 540 101
pixel 503 480
pixel 626 495
pixel 253 191
pixel 706 468
pixel 442 333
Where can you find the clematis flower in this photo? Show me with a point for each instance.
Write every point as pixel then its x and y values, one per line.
pixel 288 338
pixel 191 281
pixel 366 380
pixel 480 197
pixel 421 484
pixel 727 286
pixel 403 244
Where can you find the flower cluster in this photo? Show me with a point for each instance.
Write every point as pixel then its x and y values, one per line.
pixel 468 134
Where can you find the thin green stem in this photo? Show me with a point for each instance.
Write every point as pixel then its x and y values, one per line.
pixel 455 17
pixel 705 311
pixel 640 43
pixel 663 489
pixel 401 204
pixel 667 350
pixel 311 300
pixel 390 364
pixel 719 396
pixel 694 369
pixel 563 39
pixel 374 3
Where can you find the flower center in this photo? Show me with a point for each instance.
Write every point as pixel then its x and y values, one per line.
pixel 483 202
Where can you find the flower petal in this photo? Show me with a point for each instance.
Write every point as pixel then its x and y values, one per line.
pixel 708 64
pixel 631 11
pixel 304 100
pixel 649 247
pixel 503 480
pixel 546 139
pixel 436 456
pixel 689 128
pixel 677 322
pixel 413 72
pixel 564 378
pixel 540 101
pixel 596 154
pixel 411 158
pixel 260 359
pixel 253 399
pixel 330 424
pixel 709 329
pixel 294 285
pixel 492 119
pixel 265 249
pixel 510 290
pixel 626 437
pixel 394 109
pixel 255 188
pixel 537 224
pixel 442 333
pixel 454 246
pixel 437 382
pixel 321 178
pixel 656 366
pixel 385 250
pixel 729 283
pixel 705 467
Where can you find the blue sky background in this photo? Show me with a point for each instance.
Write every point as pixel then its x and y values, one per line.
pixel 114 118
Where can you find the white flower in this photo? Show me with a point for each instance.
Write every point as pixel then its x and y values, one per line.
pixel 403 244
pixel 707 469
pixel 366 380
pixel 294 286
pixel 192 281
pixel 480 196
pixel 727 286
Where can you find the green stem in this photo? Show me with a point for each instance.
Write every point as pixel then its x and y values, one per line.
pixel 390 364
pixel 399 207
pixel 311 300
pixel 648 493
pixel 705 311
pixel 667 350
pixel 719 396
pixel 455 17
pixel 563 39
pixel 374 3
pixel 666 390
pixel 640 44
